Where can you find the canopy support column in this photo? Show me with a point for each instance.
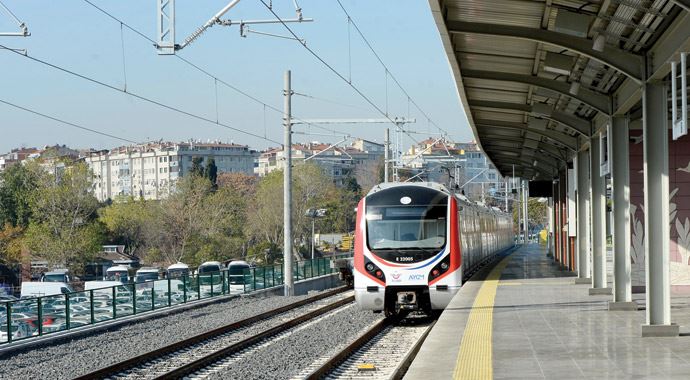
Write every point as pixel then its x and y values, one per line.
pixel 620 173
pixel 656 216
pixel 598 220
pixel 583 262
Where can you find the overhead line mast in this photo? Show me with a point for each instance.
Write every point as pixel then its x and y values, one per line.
pixel 165 39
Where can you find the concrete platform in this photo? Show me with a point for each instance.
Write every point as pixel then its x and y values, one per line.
pixel 530 321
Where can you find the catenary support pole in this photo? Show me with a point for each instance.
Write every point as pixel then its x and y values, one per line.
pixel 554 215
pixel 598 205
pixel 656 215
pixel 620 167
pixel 549 239
pixel 519 214
pixel 313 237
pixel 386 159
pixel 583 252
pixel 287 190
pixel 525 213
pixel 506 193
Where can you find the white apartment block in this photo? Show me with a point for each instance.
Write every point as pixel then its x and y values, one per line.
pixel 338 163
pixel 151 170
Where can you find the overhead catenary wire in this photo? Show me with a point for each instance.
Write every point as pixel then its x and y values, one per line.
pixel 328 65
pixel 343 78
pixel 137 96
pixel 61 121
pixel 378 57
pixel 199 68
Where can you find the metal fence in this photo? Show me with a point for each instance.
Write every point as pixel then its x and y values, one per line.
pixel 29 317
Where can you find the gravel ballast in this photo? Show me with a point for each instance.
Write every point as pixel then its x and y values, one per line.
pixel 68 359
pixel 287 357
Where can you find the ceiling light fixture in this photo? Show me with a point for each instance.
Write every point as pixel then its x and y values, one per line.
pixel 599 43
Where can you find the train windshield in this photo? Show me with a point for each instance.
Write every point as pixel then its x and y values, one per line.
pixel 406 227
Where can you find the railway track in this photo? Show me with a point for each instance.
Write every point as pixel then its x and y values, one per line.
pixel 384 351
pixel 195 353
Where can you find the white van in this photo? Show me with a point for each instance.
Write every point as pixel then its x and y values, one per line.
pixel 58 275
pixel 41 289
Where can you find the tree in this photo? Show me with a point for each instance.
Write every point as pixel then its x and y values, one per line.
pixel 63 229
pixel 370 173
pixel 17 183
pixel 197 168
pixel 11 244
pixel 221 233
pixel 128 222
pixel 196 224
pixel 211 171
pixel 536 212
pixel 243 183
pixel 178 218
pixel 341 208
pixel 311 188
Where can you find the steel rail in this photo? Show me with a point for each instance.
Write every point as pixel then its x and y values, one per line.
pixel 208 360
pixel 338 358
pixel 358 344
pixel 152 355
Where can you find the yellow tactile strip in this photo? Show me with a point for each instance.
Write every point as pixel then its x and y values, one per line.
pixel 475 356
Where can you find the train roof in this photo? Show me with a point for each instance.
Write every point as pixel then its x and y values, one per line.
pixel 389 185
pixel 438 187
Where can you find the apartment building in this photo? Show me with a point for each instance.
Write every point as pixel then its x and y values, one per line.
pixel 337 162
pixel 151 170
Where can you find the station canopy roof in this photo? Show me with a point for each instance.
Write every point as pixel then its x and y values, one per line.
pixel 532 75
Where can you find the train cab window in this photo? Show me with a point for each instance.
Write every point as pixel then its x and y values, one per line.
pixel 395 227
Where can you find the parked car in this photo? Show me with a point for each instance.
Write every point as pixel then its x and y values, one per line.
pixel 18 330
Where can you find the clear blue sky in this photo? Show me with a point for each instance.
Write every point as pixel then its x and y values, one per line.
pixel 76 36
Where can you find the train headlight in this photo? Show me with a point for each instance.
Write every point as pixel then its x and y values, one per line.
pixel 374 271
pixel 440 268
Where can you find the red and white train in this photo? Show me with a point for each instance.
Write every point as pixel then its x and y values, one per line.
pixel 415 241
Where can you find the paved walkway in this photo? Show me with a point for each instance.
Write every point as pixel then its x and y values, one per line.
pixel 543 326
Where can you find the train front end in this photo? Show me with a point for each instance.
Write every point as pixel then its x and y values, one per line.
pixel 407 248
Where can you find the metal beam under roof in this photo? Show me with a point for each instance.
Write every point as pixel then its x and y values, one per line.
pixel 628 63
pixel 567 141
pixel 576 123
pixel 510 60
pixel 599 102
